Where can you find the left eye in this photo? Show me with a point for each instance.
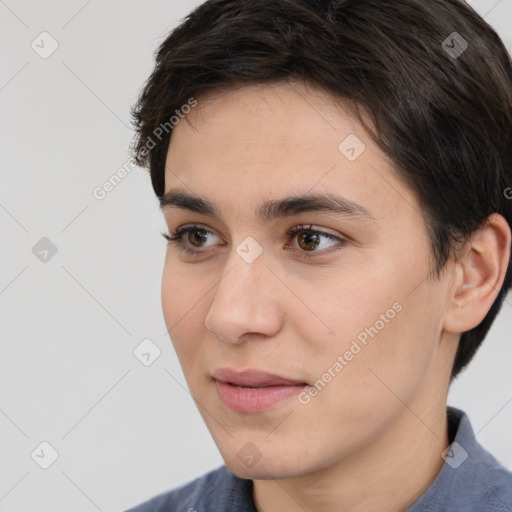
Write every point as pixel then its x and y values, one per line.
pixel 308 239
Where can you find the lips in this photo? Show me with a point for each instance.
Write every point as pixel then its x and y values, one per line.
pixel 253 378
pixel 253 391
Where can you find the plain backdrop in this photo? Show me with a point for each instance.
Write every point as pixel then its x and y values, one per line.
pixel 80 277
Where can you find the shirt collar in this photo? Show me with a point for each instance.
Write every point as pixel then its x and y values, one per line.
pixel 468 475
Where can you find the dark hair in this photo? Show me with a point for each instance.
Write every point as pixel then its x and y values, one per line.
pixel 440 110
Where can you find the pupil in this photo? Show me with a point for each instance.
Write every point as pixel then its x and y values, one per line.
pixel 193 238
pixel 310 239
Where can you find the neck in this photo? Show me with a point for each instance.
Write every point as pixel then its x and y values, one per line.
pixel 388 474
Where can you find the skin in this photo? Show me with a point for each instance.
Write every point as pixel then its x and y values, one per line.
pixel 372 438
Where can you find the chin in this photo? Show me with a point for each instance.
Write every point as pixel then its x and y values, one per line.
pixel 262 470
pixel 271 462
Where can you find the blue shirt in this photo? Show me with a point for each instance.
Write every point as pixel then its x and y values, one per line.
pixel 471 480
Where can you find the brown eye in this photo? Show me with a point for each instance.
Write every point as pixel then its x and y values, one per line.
pixel 308 241
pixel 192 239
pixel 197 236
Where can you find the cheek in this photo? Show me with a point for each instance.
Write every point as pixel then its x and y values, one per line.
pixel 383 360
pixel 183 305
pixel 335 311
pixel 375 324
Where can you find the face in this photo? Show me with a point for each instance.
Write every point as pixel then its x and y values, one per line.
pixel 298 300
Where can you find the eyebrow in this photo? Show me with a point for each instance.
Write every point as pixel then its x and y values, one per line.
pixel 272 209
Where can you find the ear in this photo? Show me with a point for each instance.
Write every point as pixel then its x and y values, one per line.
pixel 478 275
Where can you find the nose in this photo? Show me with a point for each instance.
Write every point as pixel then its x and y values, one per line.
pixel 247 302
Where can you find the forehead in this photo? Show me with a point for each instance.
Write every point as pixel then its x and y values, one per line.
pixel 280 112
pixel 256 142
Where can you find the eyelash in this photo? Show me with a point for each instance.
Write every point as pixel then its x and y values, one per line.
pixel 176 238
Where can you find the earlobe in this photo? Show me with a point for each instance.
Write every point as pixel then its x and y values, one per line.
pixel 479 275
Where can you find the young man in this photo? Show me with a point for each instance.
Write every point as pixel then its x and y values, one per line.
pixel 337 193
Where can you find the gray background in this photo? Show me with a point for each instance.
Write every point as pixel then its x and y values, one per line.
pixel 123 431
